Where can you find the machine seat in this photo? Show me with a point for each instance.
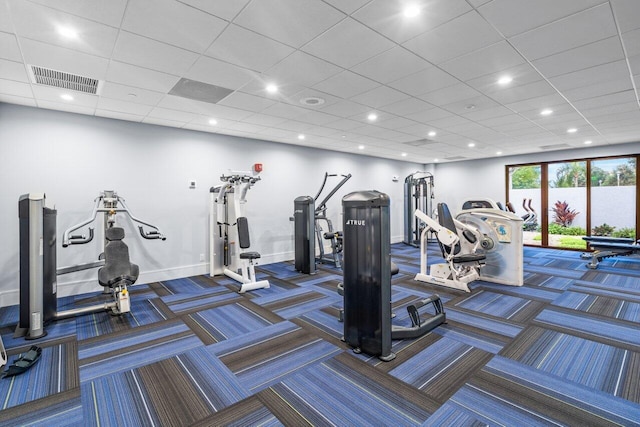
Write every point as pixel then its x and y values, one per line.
pixel 459 259
pixel 117 266
pixel 249 255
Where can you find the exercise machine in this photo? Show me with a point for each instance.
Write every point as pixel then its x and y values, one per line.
pixel 367 280
pixel 502 243
pixel 3 354
pixel 481 203
pixel 226 214
pixel 38 274
pixel 309 217
pixel 530 218
pixel 418 194
pixel 608 247
pixel 460 246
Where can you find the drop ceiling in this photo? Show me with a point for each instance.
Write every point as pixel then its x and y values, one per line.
pixel 336 62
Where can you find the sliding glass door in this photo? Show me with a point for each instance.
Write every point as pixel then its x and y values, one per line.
pixel 567 204
pixel 525 197
pixel 613 197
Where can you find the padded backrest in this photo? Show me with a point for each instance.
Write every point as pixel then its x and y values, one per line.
pixel 243 232
pixel 116 258
pixel 114 233
pixel 446 220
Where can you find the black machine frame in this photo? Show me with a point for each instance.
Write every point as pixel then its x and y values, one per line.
pixel 418 194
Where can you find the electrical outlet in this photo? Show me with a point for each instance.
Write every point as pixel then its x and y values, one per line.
pixel 192 184
pixel 201 257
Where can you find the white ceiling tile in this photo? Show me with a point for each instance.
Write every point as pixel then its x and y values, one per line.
pixel 489 60
pixel 457 37
pixel 173 23
pixel 144 78
pixel 247 102
pixel 163 122
pixel 18 100
pixel 520 93
pixel 419 130
pixel 396 123
pixel 107 12
pixel 245 128
pixel 391 65
pixel 5 18
pixel 347 43
pixel 53 94
pixel 14 88
pixel 521 74
pixel 148 53
pixel 61 59
pixel 379 97
pixel 297 99
pixel 387 17
pixel 9 47
pixel 347 6
pixel 203 108
pixel 424 81
pixel 344 124
pixel 292 22
pixel 407 106
pixel 513 17
pixel 294 126
pixel 536 103
pixel 118 115
pixel 302 69
pixel 117 105
pixel 322 131
pixel 130 94
pixel 70 108
pixel 224 9
pixel 450 94
pixel 11 70
pixel 429 115
pixel 346 84
pixel 599 89
pixel 345 108
pixel 590 55
pixel 173 115
pixel 287 111
pixel 248 49
pixel 41 23
pixel 589 76
pixel 626 13
pixel 478 3
pixel 631 41
pixel 576 30
pixel 264 120
pixel 215 72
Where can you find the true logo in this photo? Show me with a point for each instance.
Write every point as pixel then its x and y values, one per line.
pixel 355 222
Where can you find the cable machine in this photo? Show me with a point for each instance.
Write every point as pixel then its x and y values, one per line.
pixel 418 194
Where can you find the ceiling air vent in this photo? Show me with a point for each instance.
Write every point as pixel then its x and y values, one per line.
pixel 199 91
pixel 60 79
pixel 420 142
pixel 455 158
pixel 554 146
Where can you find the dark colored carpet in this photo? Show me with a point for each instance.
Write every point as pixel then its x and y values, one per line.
pixel 562 350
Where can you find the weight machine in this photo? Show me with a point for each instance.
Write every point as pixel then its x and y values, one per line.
pixel 308 217
pixel 38 273
pixel 418 194
pixel 226 214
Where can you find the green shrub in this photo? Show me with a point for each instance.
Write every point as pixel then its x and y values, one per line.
pixel 566 231
pixel 603 230
pixel 625 232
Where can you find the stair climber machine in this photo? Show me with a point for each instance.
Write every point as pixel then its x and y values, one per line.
pixel 38 272
pixel 309 217
pixel 229 230
pixel 367 280
pixel 418 194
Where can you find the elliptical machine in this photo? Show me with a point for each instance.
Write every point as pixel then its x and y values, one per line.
pixel 367 280
pixel 309 218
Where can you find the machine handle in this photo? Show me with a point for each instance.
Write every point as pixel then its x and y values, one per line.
pixel 78 239
pixel 151 235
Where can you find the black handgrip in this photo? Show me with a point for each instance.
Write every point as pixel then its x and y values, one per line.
pixel 152 235
pixel 79 239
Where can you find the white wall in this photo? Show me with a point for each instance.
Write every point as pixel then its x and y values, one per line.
pixel 73 157
pixel 458 181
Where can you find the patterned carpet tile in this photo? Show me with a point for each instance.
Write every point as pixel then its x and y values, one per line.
pixel 199 386
pixel 55 332
pixel 610 331
pixel 527 292
pixel 56 371
pixel 187 285
pixel 597 304
pixel 613 280
pixel 60 409
pixel 592 364
pixel 547 281
pixel 345 391
pixel 613 292
pixel 493 303
pixel 133 348
pixel 472 336
pixel 228 321
pixel 557 272
pixel 189 303
pixel 506 392
pixel 488 323
pixel 252 411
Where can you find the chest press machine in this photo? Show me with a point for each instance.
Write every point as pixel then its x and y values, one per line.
pixel 227 216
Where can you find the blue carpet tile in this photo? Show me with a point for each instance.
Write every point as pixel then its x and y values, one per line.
pixel 564 349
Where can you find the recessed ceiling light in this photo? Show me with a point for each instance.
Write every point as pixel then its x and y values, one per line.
pixel 411 11
pixel 301 137
pixel 546 112
pixel 436 160
pixel 403 154
pixel 343 136
pixel 271 88
pixel 213 122
pixel 499 153
pixel 572 130
pixel 360 147
pixel 67 32
pixel 372 117
pixel 588 142
pixel 471 144
pixel 66 97
pixel 505 80
pixel 432 133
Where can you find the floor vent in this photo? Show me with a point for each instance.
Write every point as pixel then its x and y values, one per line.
pixel 60 79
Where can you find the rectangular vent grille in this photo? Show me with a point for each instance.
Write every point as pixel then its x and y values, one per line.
pixel 554 146
pixel 48 77
pixel 200 91
pixel 455 158
pixel 420 142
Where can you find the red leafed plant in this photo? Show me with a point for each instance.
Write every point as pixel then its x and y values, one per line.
pixel 562 214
